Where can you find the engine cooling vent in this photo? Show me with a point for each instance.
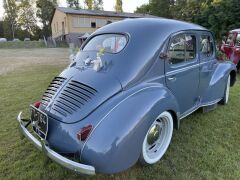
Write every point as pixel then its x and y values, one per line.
pixel 73 97
pixel 52 89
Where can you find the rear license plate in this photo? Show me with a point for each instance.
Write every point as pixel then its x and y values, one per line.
pixel 39 122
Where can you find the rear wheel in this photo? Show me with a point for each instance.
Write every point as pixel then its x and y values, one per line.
pixel 225 99
pixel 157 139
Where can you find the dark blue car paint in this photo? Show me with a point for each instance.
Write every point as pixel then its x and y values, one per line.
pixel 131 92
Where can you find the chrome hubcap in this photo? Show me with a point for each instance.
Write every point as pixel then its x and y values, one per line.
pixel 157 138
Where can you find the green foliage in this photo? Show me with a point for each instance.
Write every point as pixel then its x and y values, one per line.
pixel 45 10
pixel 26 18
pixel 10 18
pixel 73 4
pixel 98 4
pixel 160 8
pixel 89 4
pixel 219 16
pixel 144 9
pixel 1 29
pixel 118 6
pixel 22 44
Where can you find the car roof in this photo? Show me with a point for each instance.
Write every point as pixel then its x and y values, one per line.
pixel 149 25
pixel 235 30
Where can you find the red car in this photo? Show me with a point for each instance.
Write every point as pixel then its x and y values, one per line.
pixel 231 47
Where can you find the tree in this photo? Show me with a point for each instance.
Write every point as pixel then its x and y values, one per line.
pixel 45 10
pixel 160 8
pixel 1 29
pixel 118 6
pixel 98 4
pixel 89 4
pixel 73 4
pixel 27 19
pixel 10 17
pixel 144 9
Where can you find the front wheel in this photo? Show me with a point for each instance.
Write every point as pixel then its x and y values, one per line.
pixel 225 99
pixel 157 139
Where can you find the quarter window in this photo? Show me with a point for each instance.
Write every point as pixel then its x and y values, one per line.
pixel 230 39
pixel 182 48
pixel 206 46
pixel 238 40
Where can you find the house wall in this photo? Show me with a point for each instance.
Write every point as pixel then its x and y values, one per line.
pixel 78 23
pixel 83 23
pixel 56 25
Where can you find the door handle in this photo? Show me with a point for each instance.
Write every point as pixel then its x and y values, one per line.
pixel 172 78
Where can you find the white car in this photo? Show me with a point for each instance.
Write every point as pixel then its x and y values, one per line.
pixel 3 40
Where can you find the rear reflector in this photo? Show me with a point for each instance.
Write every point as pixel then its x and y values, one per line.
pixel 37 104
pixel 84 133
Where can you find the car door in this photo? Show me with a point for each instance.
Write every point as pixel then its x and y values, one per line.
pixel 182 70
pixel 229 45
pixel 208 64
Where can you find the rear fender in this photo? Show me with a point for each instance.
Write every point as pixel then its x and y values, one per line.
pixel 218 81
pixel 115 143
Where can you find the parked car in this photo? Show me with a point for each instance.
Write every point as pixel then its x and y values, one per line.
pixel 3 40
pixel 27 39
pixel 231 47
pixel 126 90
pixel 16 40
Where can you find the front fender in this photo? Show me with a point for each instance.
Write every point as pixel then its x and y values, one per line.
pixel 115 143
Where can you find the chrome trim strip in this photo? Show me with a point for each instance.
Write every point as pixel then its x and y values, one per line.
pixel 211 102
pixel 67 163
pixel 181 70
pixel 186 68
pixel 197 107
pixel 185 115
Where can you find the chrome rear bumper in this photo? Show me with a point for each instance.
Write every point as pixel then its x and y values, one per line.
pixel 41 145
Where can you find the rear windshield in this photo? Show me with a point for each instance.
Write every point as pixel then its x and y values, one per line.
pixel 110 43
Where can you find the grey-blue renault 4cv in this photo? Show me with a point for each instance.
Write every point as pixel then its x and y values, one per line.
pixel 129 85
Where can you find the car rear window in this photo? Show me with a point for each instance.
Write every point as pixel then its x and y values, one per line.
pixel 110 43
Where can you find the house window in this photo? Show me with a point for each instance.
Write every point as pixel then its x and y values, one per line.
pixel 93 24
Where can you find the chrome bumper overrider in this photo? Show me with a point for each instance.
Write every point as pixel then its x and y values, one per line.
pixel 41 145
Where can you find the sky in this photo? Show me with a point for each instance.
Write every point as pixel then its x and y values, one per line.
pixel 128 5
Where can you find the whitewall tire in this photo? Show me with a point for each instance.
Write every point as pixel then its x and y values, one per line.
pixel 157 139
pixel 227 92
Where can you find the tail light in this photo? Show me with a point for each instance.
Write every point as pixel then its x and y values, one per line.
pixel 84 133
pixel 37 104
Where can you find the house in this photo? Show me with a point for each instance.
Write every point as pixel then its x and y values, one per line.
pixel 70 24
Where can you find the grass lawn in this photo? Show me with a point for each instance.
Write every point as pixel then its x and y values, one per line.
pixel 207 146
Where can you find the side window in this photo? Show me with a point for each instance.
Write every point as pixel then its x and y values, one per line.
pixel 182 48
pixel 190 46
pixel 238 40
pixel 206 46
pixel 230 39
